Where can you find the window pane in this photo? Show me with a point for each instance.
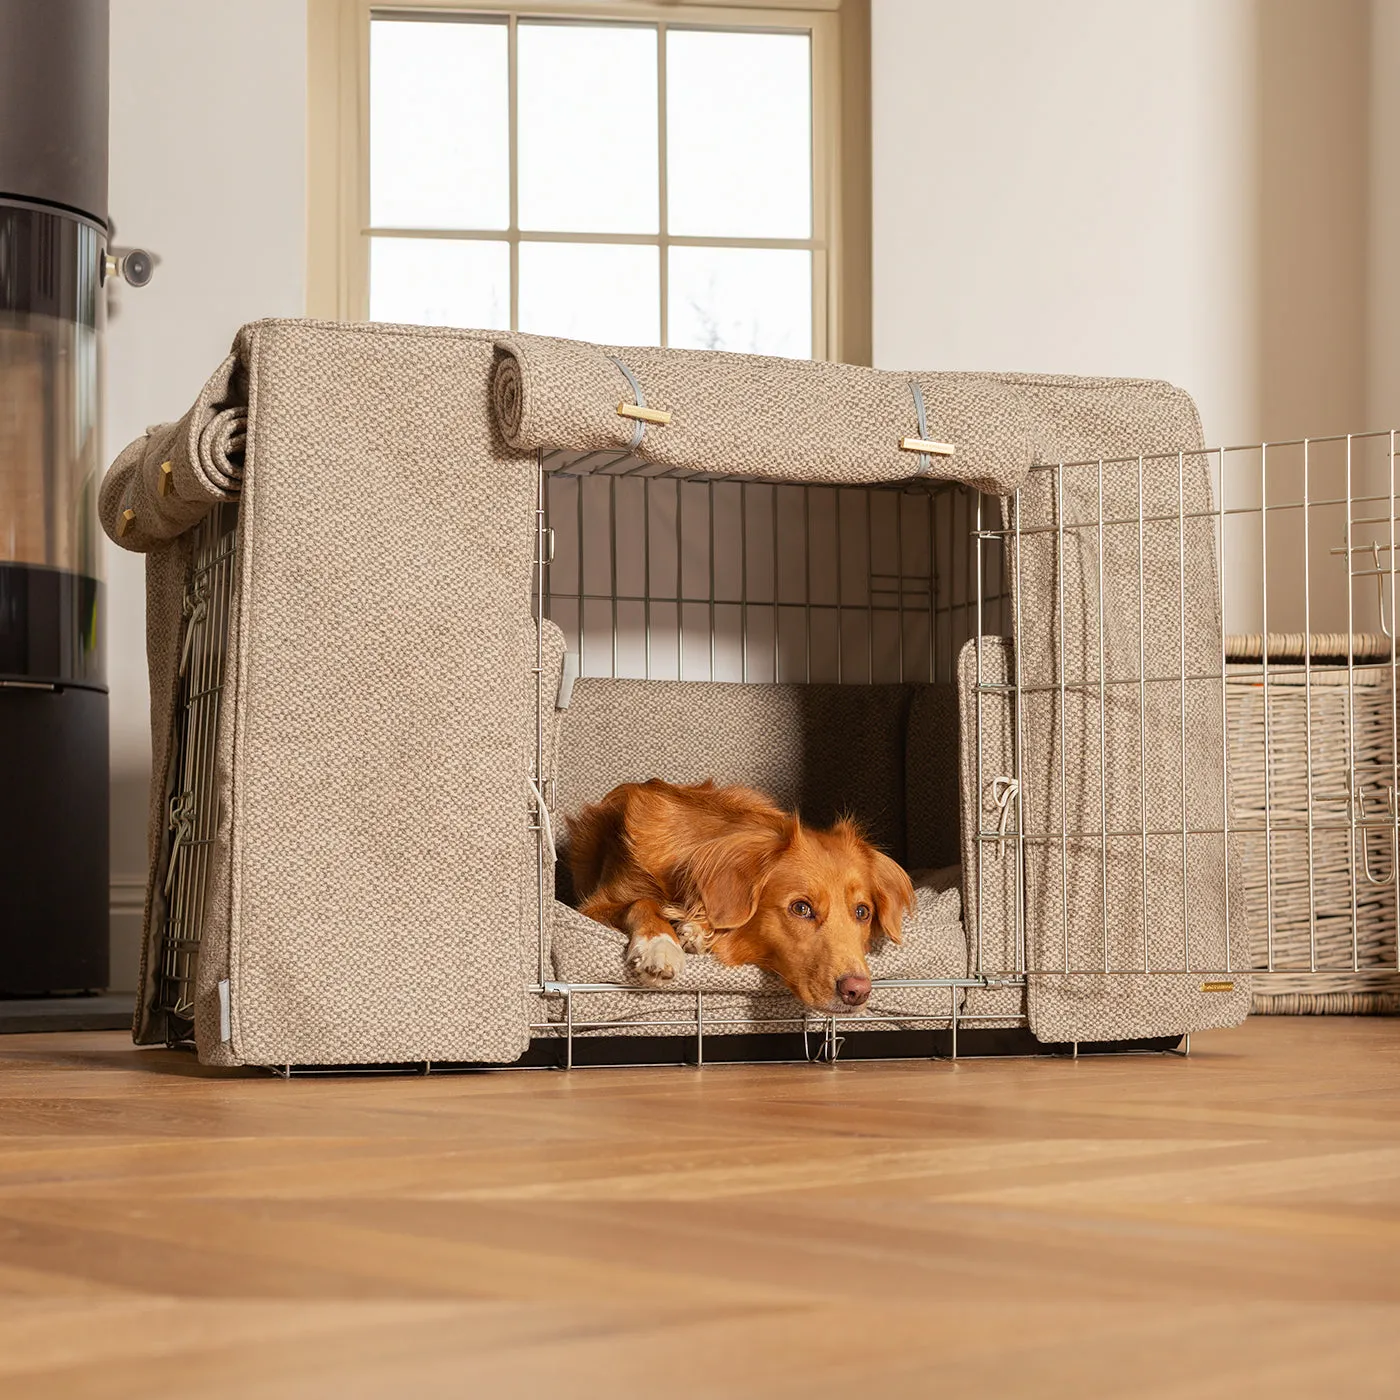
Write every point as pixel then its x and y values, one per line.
pixel 587 136
pixel 754 300
pixel 591 291
pixel 440 282
pixel 739 134
pixel 439 150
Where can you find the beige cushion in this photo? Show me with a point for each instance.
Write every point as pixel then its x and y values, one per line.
pixel 820 750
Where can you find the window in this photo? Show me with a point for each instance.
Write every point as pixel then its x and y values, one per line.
pixel 630 173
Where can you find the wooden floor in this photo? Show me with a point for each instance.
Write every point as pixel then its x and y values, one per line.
pixel 1223 1225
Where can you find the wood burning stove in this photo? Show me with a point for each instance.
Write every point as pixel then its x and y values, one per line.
pixel 53 693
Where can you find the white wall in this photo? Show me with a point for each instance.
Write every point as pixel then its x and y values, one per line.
pixel 1204 191
pixel 208 170
pixel 1067 187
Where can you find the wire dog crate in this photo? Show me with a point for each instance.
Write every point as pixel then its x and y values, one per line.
pixel 1129 719
pixel 655 577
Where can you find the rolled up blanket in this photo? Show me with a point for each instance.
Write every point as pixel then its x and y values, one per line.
pixel 172 476
pixel 750 415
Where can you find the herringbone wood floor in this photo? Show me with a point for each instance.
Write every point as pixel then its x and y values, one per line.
pixel 1225 1225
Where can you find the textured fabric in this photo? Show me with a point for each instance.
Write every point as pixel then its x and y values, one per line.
pixel 215 945
pixel 381 707
pixel 821 750
pixel 535 964
pixel 1125 1006
pixel 931 777
pixel 1174 919
pixel 753 416
pixel 385 715
pixel 204 454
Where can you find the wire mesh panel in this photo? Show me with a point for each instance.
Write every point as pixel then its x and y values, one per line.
pixel 1313 718
pixel 1177 718
pixel 1118 716
pixel 663 579
pixel 193 807
pixel 657 577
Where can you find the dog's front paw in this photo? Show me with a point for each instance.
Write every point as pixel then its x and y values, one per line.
pixel 655 961
pixel 695 936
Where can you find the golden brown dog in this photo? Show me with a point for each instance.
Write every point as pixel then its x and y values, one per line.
pixel 721 869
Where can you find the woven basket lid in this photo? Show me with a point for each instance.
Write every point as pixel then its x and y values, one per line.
pixel 1327 648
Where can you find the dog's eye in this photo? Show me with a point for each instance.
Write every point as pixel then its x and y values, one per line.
pixel 862 912
pixel 801 908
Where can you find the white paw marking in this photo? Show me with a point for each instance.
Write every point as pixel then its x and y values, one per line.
pixel 655 960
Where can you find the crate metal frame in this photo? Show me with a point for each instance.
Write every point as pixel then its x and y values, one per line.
pixel 193 807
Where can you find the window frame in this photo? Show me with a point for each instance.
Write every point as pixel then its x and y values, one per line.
pixel 338 226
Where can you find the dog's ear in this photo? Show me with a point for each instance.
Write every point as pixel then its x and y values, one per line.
pixel 894 895
pixel 729 873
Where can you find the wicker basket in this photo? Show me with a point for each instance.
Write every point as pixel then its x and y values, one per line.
pixel 1349 870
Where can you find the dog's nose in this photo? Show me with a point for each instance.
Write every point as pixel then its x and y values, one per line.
pixel 853 989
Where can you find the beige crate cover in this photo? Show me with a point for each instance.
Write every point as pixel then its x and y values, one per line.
pixel 372 896
pixel 1149 757
pixel 375 890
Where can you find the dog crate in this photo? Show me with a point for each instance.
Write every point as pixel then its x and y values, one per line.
pixel 457 585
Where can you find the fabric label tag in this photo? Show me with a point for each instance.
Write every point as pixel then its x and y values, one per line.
pixel 567 676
